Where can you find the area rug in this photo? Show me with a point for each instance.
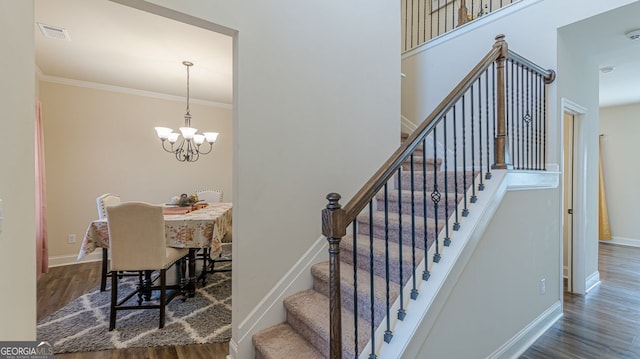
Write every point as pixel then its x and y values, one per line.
pixel 83 325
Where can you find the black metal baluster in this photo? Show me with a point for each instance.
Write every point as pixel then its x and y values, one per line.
pixel 544 132
pixel 438 20
pixel 355 284
pixel 414 290
pixel 447 239
pixel 406 23
pixel 527 118
pixel 435 198
pixel 425 273
pixel 401 310
pixel 372 298
pixel 487 174
pixel 539 105
pixel 413 44
pixel 518 117
pixel 456 225
pixel 481 184
pixel 446 7
pixel 473 199
pixel 424 30
pixel 387 334
pixel 513 121
pixel 465 210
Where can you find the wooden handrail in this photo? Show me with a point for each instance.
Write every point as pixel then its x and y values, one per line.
pixel 361 199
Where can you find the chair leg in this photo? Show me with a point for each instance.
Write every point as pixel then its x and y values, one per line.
pixel 163 293
pixel 114 302
pixel 103 279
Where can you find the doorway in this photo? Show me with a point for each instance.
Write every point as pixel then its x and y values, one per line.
pixel 574 197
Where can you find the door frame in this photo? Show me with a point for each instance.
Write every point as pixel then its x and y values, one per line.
pixel 579 195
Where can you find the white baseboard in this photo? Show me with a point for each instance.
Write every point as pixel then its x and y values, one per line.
pixel 270 310
pixel 57 261
pixel 233 349
pixel 565 272
pixel 631 242
pixel 592 281
pixel 519 343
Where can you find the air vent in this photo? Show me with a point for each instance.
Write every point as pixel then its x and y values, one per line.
pixel 54 32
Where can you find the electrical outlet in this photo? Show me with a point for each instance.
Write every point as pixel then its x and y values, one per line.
pixel 543 286
pixel 71 238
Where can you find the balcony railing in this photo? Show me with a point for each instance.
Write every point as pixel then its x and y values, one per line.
pixel 423 20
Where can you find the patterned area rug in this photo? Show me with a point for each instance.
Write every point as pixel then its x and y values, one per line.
pixel 83 325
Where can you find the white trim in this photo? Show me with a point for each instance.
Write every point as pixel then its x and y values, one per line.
pixel 565 272
pixel 233 349
pixel 57 261
pixel 520 342
pixel 529 180
pixel 471 26
pixel 623 241
pixel 406 125
pixel 270 310
pixel 592 281
pixel 126 90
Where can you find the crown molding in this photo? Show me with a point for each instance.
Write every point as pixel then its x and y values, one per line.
pixel 126 90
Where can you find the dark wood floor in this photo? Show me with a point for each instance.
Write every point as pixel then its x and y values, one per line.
pixel 63 284
pixel 606 322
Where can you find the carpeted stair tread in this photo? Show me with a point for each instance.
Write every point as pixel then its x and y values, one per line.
pixel 430 163
pixel 308 314
pixel 283 342
pixel 440 177
pixel 379 260
pixel 393 229
pixel 448 202
pixel 320 272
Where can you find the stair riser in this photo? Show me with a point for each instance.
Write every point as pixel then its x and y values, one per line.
pixel 417 164
pixel 364 301
pixel 312 337
pixel 379 264
pixel 394 233
pixel 419 208
pixel 432 179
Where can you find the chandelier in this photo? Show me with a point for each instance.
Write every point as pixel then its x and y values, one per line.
pixel 188 149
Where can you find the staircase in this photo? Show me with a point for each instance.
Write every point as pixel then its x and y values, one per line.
pixel 390 235
pixel 305 334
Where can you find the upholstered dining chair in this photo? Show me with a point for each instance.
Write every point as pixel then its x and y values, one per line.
pixel 209 195
pixel 103 201
pixel 137 242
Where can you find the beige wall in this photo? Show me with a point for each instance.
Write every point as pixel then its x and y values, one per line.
pixel 317 102
pixel 98 141
pixel 620 126
pixel 17 240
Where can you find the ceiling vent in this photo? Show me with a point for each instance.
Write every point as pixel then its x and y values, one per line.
pixel 54 32
pixel 633 34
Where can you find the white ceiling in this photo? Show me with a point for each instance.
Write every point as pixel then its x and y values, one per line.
pixel 113 44
pixel 116 45
pixel 603 38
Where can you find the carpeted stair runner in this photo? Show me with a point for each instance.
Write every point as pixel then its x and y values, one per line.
pixel 305 334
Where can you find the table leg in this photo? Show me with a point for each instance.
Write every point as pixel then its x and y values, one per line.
pixel 191 284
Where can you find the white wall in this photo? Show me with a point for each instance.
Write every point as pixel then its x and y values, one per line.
pixel 316 108
pixel 99 141
pixel 499 289
pixel 620 126
pixel 17 176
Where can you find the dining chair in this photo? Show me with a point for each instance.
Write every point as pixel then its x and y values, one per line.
pixel 103 202
pixel 209 195
pixel 137 242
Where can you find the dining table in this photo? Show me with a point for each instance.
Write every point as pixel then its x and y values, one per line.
pixel 195 228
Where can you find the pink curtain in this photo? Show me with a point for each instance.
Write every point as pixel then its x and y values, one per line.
pixel 42 251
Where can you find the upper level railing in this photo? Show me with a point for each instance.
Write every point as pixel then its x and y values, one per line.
pixel 423 20
pixel 402 218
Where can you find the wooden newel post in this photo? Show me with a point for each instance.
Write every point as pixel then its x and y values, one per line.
pixel 462 13
pixel 501 130
pixel 334 228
